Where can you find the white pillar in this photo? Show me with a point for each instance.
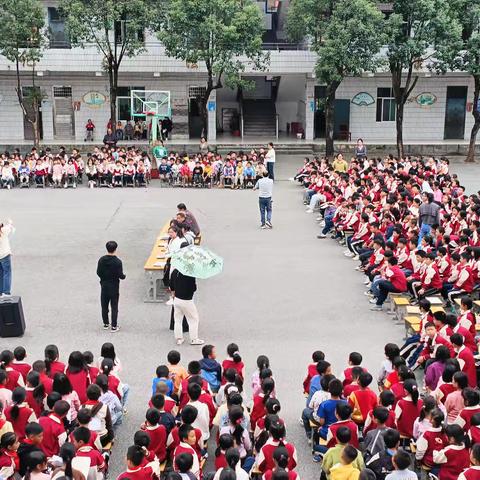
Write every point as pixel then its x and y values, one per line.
pixel 309 107
pixel 47 119
pixel 212 116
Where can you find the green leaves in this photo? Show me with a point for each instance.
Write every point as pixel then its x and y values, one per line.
pixel 220 33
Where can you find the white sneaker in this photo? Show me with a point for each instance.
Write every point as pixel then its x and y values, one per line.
pixel 366 281
pixel 368 293
pixel 354 257
pixel 180 341
pixel 169 301
pixel 373 300
pixel 376 308
pixel 308 210
pixel 349 254
pixel 197 341
pixel 74 185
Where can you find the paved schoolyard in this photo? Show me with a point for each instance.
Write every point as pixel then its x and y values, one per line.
pixel 283 293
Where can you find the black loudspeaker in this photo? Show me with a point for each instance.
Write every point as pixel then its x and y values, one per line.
pixel 12 321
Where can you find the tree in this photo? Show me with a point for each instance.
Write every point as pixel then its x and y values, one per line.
pixel 417 29
pixel 223 35
pixel 465 56
pixel 117 29
pixel 22 41
pixel 346 35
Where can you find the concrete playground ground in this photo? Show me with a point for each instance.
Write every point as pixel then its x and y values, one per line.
pixel 283 293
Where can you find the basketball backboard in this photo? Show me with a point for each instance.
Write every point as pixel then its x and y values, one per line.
pixel 150 102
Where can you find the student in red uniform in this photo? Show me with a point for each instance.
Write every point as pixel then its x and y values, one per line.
pixel 386 400
pixel 432 439
pixel 473 472
pixel 54 435
pixel 454 458
pixel 432 341
pixel 259 401
pixel 317 356
pixel 264 459
pixel 234 360
pixel 353 385
pixel 35 393
pixel 19 414
pixel 77 373
pixel 47 382
pixel 471 399
pixel 184 464
pixel 354 360
pixel 157 434
pixel 81 438
pixel 225 442
pixel 188 417
pixel 474 432
pixel 135 471
pixel 19 364
pixel 465 359
pixel 93 371
pixel 394 281
pixel 9 462
pixel 114 383
pixel 454 327
pixel 408 409
pixel 363 400
pixel 343 412
pixel 52 364
pixel 187 438
pixel 466 318
pixel 83 418
pixel 281 459
pixel 14 378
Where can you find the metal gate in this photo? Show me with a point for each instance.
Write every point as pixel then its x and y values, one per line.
pixel 63 120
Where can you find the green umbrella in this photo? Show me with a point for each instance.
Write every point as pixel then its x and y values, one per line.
pixel 197 262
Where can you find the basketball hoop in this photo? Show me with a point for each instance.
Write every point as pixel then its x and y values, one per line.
pixel 149 114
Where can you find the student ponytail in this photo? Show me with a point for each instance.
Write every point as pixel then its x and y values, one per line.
pixel 51 355
pixel 19 395
pixel 411 388
pixel 437 418
pixel 262 362
pixel 33 378
pixel 6 358
pixel 107 366
pixel 232 351
pixel 280 455
pixel 67 454
pixel 278 432
pixel 272 406
pixel 235 416
pixel 429 405
pixel 8 439
pixel 268 386
pixel 232 457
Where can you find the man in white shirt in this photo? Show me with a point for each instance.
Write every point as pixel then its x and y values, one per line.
pixel 6 229
pixel 270 160
pixel 265 190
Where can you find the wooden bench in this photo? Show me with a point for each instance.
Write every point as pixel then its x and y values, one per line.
pixel 412 324
pixel 155 266
pixel 435 301
pixel 399 305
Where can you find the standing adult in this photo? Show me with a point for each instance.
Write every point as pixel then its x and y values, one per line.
pixel 428 215
pixel 184 287
pixel 270 161
pixel 6 229
pixel 190 219
pixel 110 271
pixel 265 189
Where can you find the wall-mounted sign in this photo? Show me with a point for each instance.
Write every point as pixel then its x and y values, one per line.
pixel 211 106
pixel 363 99
pixel 312 105
pixel 426 99
pixel 94 99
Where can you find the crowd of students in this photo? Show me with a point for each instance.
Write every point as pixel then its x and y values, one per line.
pixel 119 166
pixel 59 420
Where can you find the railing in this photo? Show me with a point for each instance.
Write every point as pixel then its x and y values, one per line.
pixel 277 122
pixel 285 46
pixel 241 123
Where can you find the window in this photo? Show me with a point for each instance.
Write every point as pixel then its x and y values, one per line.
pixel 385 105
pixel 123 102
pixel 56 26
pixel 121 27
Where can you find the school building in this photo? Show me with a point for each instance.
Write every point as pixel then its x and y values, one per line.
pixel 286 100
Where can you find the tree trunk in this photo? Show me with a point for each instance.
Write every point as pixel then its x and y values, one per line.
pixel 399 123
pixel 36 111
pixel 113 85
pixel 204 109
pixel 476 126
pixel 330 118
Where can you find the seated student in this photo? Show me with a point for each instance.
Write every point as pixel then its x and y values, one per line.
pixel 184 464
pixel 326 410
pixel 129 173
pixel 373 442
pixel 434 370
pixel 234 360
pixel 354 361
pixel 203 417
pixel 408 409
pixel 197 174
pixel 393 280
pixel 135 470
pixel 454 402
pixel 232 460
pixel 5 393
pixel 225 441
pixel 343 412
pixel 166 418
pixel 280 457
pixel 36 466
pixel 35 393
pixel 211 369
pixel 353 384
pixel 432 342
pixel 54 435
pixel 401 461
pixel 454 458
pixel 19 364
pixel 111 400
pixel 259 401
pixel 453 326
pixel 188 416
pixel 52 363
pixel 19 414
pixel 101 421
pixel 386 400
pixel 317 356
pixel 323 368
pixel 31 443
pixel 473 472
pixel 14 378
pixel 162 375
pixel 391 351
pixel 474 431
pixel 346 469
pixel 362 400
pixel 333 455
pixel 471 400
pixel 141 172
pixel 157 434
pixel 141 439
pixel 432 439
pixel 194 372
pixel 8 455
pixel 264 460
pixel 187 437
pixel 83 419
pixel 465 359
pixel 81 439
pixel 466 319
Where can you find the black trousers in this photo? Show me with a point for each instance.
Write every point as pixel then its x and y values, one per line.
pixel 109 297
